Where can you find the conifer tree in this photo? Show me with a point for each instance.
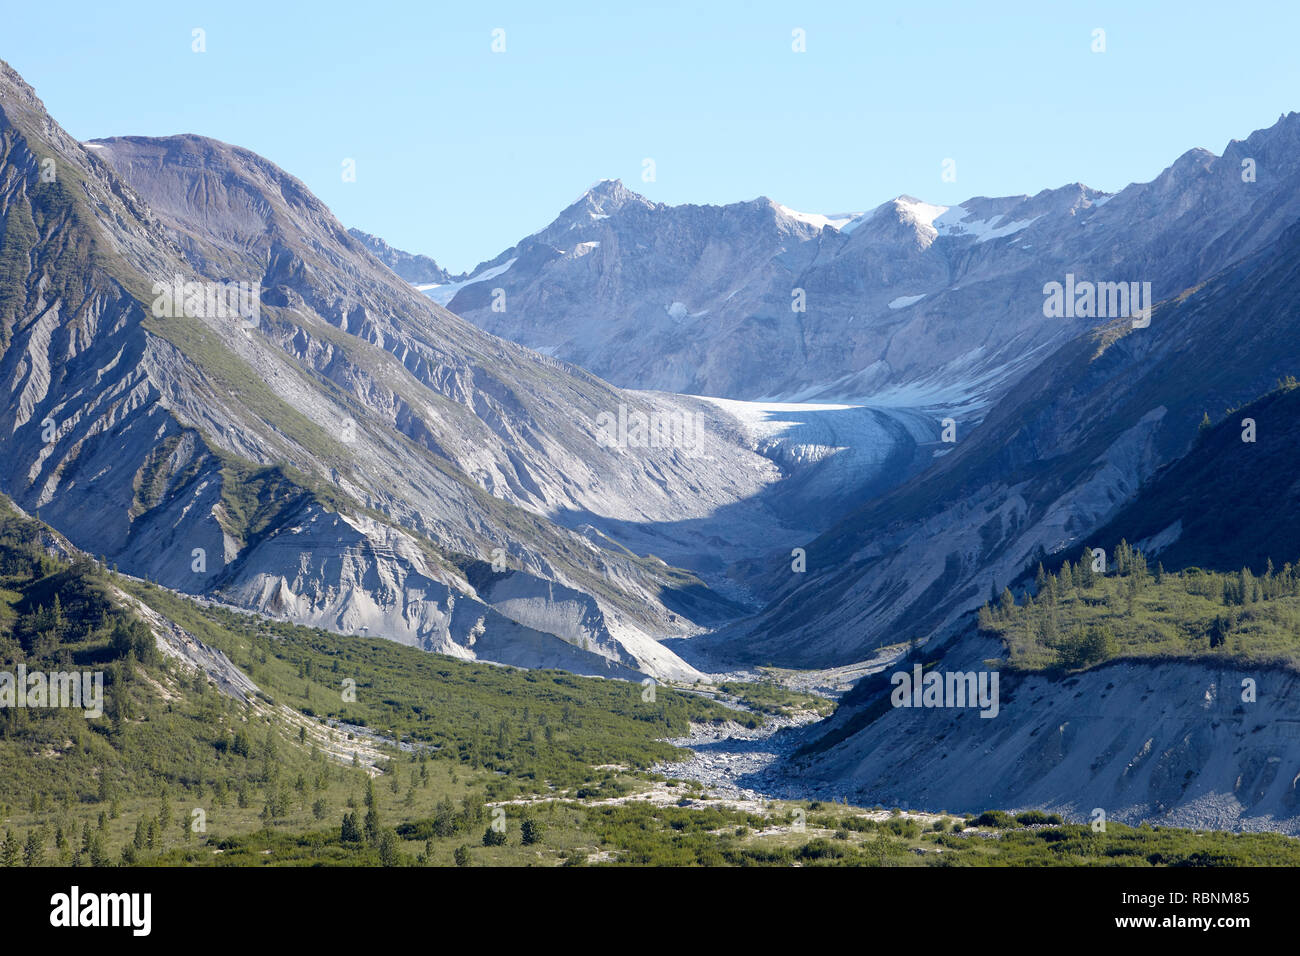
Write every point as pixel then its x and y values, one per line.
pixel 9 851
pixel 1085 572
pixel 372 825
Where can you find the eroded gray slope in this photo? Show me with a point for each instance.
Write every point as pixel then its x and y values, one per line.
pixel 1164 742
pixel 347 460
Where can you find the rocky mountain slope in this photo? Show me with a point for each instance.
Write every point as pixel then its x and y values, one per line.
pixel 911 304
pixel 1230 502
pixel 1165 742
pixel 415 269
pixel 356 457
pixel 1050 464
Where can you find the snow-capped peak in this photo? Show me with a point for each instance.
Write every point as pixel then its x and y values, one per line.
pixel 921 213
pixel 818 221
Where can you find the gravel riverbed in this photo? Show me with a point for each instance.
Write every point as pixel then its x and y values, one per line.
pixel 739 762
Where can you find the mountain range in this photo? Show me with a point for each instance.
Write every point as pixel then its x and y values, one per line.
pixel 910 304
pixel 875 422
pixel 927 311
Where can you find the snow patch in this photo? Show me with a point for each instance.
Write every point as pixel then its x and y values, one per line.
pixel 865 217
pixel 903 301
pixel 769 419
pixel 679 311
pixel 817 220
pixel 953 223
pixel 445 292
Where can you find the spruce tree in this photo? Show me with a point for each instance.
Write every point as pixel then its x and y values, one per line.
pixel 9 851
pixel 1085 572
pixel 388 855
pixel 372 825
pixel 33 850
pixel 350 832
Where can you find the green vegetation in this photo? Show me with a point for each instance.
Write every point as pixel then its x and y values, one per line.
pixel 166 743
pixel 535 730
pixel 770 697
pixel 1119 845
pixel 171 750
pixel 1002 820
pixel 256 499
pixel 19 238
pixel 1080 618
pixel 640 833
pixel 498 766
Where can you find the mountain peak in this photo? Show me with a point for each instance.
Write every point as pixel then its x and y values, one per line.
pixel 602 200
pixel 607 196
pixel 603 187
pixel 920 213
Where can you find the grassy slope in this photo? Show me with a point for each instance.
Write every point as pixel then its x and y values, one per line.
pixel 1132 612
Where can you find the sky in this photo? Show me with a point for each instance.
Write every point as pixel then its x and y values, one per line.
pixel 459 151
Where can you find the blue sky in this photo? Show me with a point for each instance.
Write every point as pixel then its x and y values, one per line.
pixel 461 151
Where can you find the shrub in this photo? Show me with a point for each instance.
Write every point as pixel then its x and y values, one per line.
pixel 999 819
pixel 822 849
pixel 1038 818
